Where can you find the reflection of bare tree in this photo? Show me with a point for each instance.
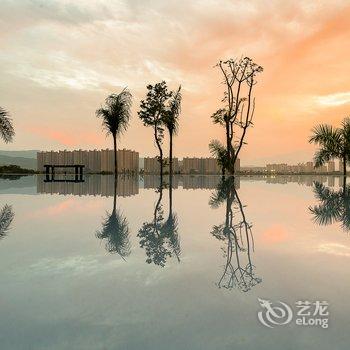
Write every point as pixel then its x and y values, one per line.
pixel 115 230
pixel 6 218
pixel 160 238
pixel 334 206
pixel 236 232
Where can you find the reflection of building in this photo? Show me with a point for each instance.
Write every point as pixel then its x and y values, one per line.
pixel 95 161
pixel 95 185
pixel 205 182
pixel 187 182
pixel 331 181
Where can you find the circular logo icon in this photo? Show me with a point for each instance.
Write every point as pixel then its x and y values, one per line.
pixel 274 315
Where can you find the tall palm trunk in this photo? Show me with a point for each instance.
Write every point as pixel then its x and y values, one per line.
pixel 115 155
pixel 344 173
pixel 228 149
pixel 171 153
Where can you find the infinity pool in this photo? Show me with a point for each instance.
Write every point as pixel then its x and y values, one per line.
pixel 187 264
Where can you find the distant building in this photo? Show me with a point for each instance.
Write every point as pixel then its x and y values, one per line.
pixel 301 168
pixel 310 167
pixel 152 166
pixel 95 161
pixel 331 166
pixel 203 166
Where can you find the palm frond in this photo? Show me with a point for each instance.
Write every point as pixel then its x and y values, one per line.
pixel 218 150
pixel 116 113
pixel 324 134
pixel 323 156
pixel 7 131
pixel 6 218
pixel 171 115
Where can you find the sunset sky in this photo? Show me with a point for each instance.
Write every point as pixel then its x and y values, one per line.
pixel 59 59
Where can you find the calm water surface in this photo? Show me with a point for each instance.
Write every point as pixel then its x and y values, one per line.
pixel 91 266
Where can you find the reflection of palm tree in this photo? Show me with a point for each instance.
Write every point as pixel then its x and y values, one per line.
pixel 115 230
pixel 239 238
pixel 6 217
pixel 170 227
pixel 334 206
pixel 160 239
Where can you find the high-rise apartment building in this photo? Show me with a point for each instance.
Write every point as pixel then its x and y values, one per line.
pixel 95 161
pixel 152 166
pixel 203 166
pixel 331 166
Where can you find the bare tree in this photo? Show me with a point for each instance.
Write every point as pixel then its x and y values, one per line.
pixel 239 104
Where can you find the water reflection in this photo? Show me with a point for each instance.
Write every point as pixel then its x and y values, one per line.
pixel 159 237
pixel 236 233
pixel 115 230
pixel 334 206
pixel 6 218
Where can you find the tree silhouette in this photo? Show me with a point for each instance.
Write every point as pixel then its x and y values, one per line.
pixel 333 142
pixel 115 117
pixel 152 112
pixel 171 122
pixel 115 230
pixel 237 234
pixel 237 114
pixel 334 206
pixel 6 218
pixel 160 238
pixel 7 131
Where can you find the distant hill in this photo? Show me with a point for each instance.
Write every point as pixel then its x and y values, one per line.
pixel 26 163
pixel 23 154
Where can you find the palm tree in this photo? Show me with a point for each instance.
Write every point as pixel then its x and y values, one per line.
pixel 333 142
pixel 6 128
pixel 171 122
pixel 115 117
pixel 218 150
